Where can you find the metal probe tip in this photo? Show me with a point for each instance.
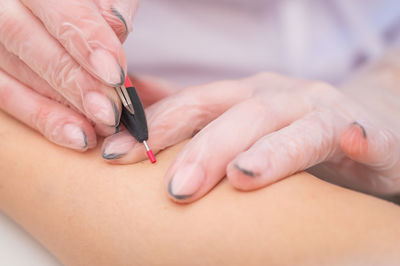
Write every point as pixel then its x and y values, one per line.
pixel 150 154
pixel 125 99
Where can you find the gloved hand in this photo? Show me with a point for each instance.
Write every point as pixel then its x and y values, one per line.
pixel 59 60
pixel 261 129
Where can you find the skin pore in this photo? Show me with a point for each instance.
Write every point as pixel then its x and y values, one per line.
pixel 87 212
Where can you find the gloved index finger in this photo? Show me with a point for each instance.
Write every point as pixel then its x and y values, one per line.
pixel 119 15
pixel 80 28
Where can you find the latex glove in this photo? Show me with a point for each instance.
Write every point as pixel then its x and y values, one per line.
pixel 262 129
pixel 69 52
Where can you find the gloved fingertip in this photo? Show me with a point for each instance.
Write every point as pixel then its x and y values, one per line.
pixel 116 147
pixel 243 176
pixel 111 156
pixel 107 67
pixel 353 141
pixel 122 148
pixel 364 132
pixel 101 109
pixel 121 28
pixel 246 172
pixel 71 136
pixel 186 181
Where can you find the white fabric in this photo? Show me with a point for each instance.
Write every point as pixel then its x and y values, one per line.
pixel 193 41
pixel 18 248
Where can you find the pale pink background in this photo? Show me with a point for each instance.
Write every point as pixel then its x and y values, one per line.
pixel 195 41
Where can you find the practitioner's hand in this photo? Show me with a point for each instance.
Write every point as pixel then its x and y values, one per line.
pixel 59 60
pixel 261 129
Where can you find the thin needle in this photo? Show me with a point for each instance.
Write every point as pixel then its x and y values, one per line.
pixel 125 99
pixel 150 154
pixel 146 145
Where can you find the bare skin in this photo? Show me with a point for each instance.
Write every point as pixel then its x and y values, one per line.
pixel 87 212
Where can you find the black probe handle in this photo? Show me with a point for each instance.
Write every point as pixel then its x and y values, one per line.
pixel 136 124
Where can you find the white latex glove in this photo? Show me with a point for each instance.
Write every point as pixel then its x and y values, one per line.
pixel 60 59
pixel 261 129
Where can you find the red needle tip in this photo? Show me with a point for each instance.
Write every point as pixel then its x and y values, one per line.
pixel 151 156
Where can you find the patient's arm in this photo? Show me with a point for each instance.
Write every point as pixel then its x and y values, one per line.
pixel 90 213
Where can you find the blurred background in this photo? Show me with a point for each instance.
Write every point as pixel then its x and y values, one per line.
pixel 199 41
